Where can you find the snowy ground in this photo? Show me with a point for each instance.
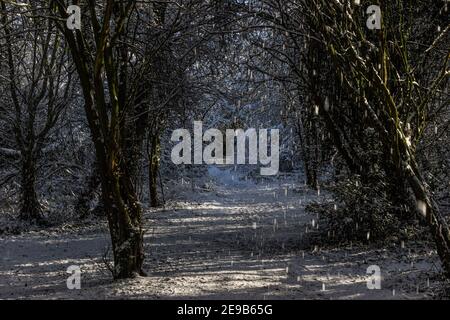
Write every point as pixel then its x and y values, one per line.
pixel 234 240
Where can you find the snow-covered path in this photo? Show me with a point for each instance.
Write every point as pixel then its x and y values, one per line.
pixel 240 240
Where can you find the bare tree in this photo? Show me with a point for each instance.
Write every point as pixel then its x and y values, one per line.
pixel 39 83
pixel 101 52
pixel 394 81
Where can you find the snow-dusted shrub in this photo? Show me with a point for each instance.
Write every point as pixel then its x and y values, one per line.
pixel 363 213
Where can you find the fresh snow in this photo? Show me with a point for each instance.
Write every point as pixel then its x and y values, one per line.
pixel 237 240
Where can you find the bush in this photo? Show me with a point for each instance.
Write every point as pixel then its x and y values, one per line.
pixel 362 213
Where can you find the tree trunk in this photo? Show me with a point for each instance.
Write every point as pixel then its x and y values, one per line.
pixel 310 162
pixel 125 223
pixel 409 171
pixel 153 168
pixel 30 209
pixel 430 212
pixel 110 119
pixel 82 205
pixel 310 172
pixel 311 177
